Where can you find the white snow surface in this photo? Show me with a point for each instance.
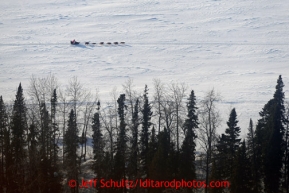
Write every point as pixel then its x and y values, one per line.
pixel 237 47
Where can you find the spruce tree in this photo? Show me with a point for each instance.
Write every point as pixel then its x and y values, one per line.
pixel 48 176
pixel 18 141
pixel 33 154
pixel 251 149
pixel 173 161
pixel 220 159
pixel 227 147
pixel 145 134
pixel 286 159
pixel 187 158
pixel 71 141
pixel 9 175
pixel 232 134
pixel 215 175
pixel 159 166
pixel 134 151
pixel 1 146
pixel 44 132
pixel 275 147
pixel 55 176
pixel 98 146
pixel 261 141
pixel 55 128
pixel 153 145
pixel 44 143
pixel 220 163
pixel 121 146
pixel 3 129
pixel 241 181
pixel 269 136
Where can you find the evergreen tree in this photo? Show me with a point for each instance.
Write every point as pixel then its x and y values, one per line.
pixel 98 145
pixel 227 147
pixel 275 147
pixel 252 156
pixel 44 132
pixel 144 135
pixel 261 143
pixel 215 175
pixel 43 148
pixel 18 142
pixel 55 129
pixel 98 148
pixel 232 134
pixel 33 154
pixel 173 161
pixel 1 146
pixel 159 166
pixel 187 164
pixel 133 160
pixel 121 146
pixel 44 143
pixel 71 141
pixel 3 129
pixel 269 136
pixel 241 181
pixel 55 175
pixel 220 160
pixel 220 164
pixel 153 145
pixel 9 176
pixel 286 158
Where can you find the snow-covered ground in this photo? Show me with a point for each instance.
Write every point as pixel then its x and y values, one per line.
pixel 237 47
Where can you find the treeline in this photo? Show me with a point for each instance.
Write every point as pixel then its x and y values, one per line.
pixel 44 139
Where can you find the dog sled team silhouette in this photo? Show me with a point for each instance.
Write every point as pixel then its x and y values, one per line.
pixel 73 42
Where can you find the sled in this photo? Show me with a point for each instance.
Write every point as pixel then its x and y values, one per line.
pixel 74 42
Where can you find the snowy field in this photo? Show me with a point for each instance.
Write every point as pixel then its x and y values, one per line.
pixel 238 47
